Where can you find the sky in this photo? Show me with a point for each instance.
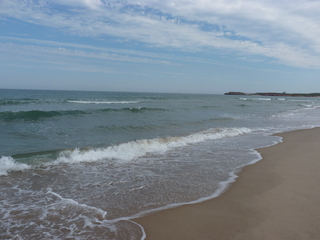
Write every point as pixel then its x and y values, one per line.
pixel 178 46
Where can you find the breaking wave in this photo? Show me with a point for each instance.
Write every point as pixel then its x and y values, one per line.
pixel 140 148
pixel 262 99
pixel 8 164
pixel 124 152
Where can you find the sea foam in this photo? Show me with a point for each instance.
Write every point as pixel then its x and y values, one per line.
pixel 8 164
pixel 70 201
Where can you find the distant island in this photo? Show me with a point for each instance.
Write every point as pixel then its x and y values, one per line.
pixel 284 94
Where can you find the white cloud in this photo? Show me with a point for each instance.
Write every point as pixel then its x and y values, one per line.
pixel 251 18
pixel 286 32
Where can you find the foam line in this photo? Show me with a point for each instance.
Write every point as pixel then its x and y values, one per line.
pixel 73 202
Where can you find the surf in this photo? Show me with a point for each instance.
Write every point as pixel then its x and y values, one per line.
pixel 119 153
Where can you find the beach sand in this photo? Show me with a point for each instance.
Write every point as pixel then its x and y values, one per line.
pixel 276 198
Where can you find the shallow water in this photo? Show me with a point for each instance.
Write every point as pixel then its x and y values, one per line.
pixel 80 165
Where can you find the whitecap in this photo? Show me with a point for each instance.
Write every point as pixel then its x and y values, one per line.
pixel 8 164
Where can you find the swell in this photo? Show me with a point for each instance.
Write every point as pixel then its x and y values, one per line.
pixel 13 102
pixel 129 128
pixel 34 115
pixel 133 110
pixel 102 102
pixel 24 101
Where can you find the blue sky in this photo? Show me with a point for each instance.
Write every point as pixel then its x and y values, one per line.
pixel 203 46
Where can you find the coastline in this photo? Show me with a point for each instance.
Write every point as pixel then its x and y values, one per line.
pixel 273 94
pixel 275 198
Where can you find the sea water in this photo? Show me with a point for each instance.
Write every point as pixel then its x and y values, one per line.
pixel 82 165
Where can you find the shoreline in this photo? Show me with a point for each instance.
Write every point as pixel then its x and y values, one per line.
pixel 274 198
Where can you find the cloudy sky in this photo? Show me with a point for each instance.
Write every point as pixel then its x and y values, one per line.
pixel 194 46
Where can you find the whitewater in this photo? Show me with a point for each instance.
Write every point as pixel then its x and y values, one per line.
pixel 83 165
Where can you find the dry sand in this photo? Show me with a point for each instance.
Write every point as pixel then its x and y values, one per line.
pixel 274 199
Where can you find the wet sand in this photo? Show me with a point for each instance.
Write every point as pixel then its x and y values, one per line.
pixel 274 199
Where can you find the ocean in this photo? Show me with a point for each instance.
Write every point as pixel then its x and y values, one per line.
pixel 83 165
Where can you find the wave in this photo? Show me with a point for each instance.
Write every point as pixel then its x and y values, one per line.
pixel 261 99
pixel 128 128
pixel 134 109
pixel 34 115
pixel 124 152
pixel 307 105
pixel 216 119
pixel 8 164
pixel 242 105
pixel 12 102
pixel 303 100
pixel 208 107
pixel 129 151
pixel 24 101
pixel 103 102
pixel 295 112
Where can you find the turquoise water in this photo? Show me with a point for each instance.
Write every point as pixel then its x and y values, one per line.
pixel 82 164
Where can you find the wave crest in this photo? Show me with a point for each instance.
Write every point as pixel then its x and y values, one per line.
pixel 126 152
pixel 133 110
pixel 103 102
pixel 136 149
pixel 34 115
pixel 8 164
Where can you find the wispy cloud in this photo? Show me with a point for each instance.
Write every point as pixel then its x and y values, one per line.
pixel 285 32
pixel 59 54
pixel 138 56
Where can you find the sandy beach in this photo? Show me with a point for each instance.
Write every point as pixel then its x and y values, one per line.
pixel 275 198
